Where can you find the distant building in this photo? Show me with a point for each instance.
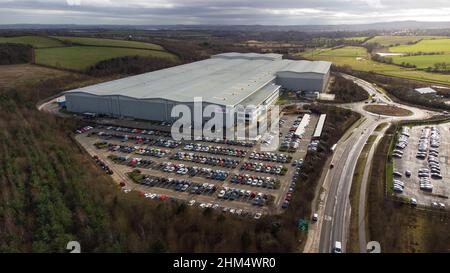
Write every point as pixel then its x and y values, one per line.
pixel 425 91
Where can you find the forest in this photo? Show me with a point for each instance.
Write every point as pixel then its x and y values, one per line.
pixel 347 91
pixel 15 54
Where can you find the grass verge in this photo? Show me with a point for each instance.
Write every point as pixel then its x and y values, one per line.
pixel 353 243
pixel 388 110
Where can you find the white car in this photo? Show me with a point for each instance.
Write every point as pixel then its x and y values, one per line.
pixel 315 217
pixel 221 194
pixel 191 203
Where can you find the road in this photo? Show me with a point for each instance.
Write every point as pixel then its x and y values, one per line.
pixel 335 203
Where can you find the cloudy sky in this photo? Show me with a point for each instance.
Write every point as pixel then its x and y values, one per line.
pixel 269 12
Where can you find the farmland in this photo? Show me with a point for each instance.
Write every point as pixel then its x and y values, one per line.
pixel 35 41
pixel 421 61
pixel 425 46
pixel 81 53
pixel 397 40
pixel 108 42
pixel 359 39
pixel 28 75
pixel 348 51
pixel 358 59
pixel 82 57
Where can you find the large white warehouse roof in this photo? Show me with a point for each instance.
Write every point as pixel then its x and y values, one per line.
pixel 224 79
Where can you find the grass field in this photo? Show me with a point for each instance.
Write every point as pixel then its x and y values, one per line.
pixel 82 57
pixel 421 61
pixel 35 41
pixel 109 42
pixel 401 40
pixel 358 59
pixel 347 51
pixel 28 74
pixel 359 39
pixel 436 45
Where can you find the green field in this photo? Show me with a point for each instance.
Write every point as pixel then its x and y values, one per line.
pixel 358 59
pixel 81 58
pixel 436 45
pixel 347 51
pixel 421 61
pixel 35 41
pixel 109 42
pixel 359 39
pixel 401 40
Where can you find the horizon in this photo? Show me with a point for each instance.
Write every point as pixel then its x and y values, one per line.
pixel 200 24
pixel 220 12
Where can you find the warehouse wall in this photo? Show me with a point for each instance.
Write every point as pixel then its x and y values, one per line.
pixel 80 103
pixel 118 106
pixel 311 82
pixel 143 109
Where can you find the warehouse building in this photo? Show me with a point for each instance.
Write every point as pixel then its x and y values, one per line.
pixel 225 80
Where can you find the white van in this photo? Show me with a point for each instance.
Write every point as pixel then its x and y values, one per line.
pixel 337 247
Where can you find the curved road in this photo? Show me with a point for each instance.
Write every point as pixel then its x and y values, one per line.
pixel 335 207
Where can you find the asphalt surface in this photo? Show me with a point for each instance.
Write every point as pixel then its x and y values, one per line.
pixel 336 209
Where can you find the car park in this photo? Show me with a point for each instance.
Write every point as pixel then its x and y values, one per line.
pixel 133 147
pixel 264 168
pixel 253 180
pixel 197 147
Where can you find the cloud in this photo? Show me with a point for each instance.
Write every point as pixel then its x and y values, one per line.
pixel 280 12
